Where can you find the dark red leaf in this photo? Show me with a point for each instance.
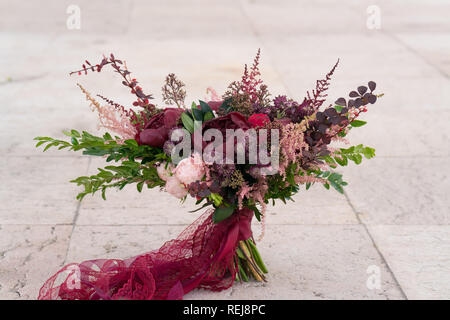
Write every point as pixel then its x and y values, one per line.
pixel 341 102
pixel 362 89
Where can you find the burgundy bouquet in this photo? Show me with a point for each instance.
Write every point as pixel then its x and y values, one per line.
pixel 234 154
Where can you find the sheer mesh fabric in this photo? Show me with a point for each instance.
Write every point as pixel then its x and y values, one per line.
pixel 200 257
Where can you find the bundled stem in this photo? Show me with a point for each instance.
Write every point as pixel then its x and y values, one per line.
pixel 249 262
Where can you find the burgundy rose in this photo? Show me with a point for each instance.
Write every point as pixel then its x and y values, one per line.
pixel 233 120
pixel 156 131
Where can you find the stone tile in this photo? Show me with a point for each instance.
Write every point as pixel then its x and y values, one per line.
pixel 305 18
pixel 375 57
pixel 434 48
pixel 403 134
pixel 324 262
pixel 188 20
pixel 315 206
pixel 96 17
pixel 121 242
pixel 132 208
pixel 312 262
pixel 28 255
pixel 400 190
pixel 410 16
pixel 38 189
pixel 419 256
pixel 129 207
pixel 42 112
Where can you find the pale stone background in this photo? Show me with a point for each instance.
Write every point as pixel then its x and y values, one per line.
pixel 394 214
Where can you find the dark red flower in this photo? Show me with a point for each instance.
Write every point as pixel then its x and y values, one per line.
pixel 233 120
pixel 214 105
pixel 156 131
pixel 258 120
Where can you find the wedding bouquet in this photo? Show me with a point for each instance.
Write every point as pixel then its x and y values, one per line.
pixel 234 154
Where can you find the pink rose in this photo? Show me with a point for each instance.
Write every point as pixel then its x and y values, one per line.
pixel 175 187
pixel 190 169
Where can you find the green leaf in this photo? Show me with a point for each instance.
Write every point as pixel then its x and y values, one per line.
pixel 357 123
pixel 198 114
pixel 131 142
pixel 342 134
pixel 338 108
pixel 221 213
pixel 139 186
pixel 357 158
pixel 226 106
pixel 208 116
pixel 205 107
pixel 203 206
pixel 40 143
pixel 188 123
pixel 368 152
pixel 337 186
pixel 107 136
pixel 325 174
pixel 75 133
pixel 341 160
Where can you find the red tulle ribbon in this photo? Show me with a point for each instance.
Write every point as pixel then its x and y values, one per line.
pixel 201 257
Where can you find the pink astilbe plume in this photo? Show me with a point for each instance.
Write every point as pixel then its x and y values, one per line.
pixel 250 80
pixel 213 95
pixel 114 118
pixel 308 179
pixel 256 192
pixel 292 144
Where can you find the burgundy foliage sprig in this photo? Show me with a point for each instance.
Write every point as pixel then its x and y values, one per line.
pixel 120 67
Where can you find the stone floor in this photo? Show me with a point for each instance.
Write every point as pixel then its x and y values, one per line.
pixel 391 225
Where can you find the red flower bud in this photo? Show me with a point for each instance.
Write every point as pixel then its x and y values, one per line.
pixel 258 120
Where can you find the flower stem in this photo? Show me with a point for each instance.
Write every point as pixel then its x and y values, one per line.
pixel 249 262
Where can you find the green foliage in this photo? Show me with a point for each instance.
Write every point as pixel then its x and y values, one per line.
pixel 277 188
pixel 136 161
pixel 226 107
pixel 104 146
pixel 338 108
pixel 334 179
pixel 357 123
pixel 188 122
pixel 354 153
pixel 118 177
pixel 222 212
pixel 193 118
pixel 342 157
